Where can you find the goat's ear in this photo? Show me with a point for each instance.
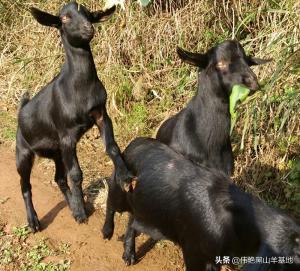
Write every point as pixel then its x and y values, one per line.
pixel 45 18
pixel 257 61
pixel 195 59
pixel 101 16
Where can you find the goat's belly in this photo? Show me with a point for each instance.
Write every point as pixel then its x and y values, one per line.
pixel 81 129
pixel 46 147
pixel 41 140
pixel 154 233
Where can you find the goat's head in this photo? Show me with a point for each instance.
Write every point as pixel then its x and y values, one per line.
pixel 287 240
pixel 293 243
pixel 74 21
pixel 229 61
pixel 296 249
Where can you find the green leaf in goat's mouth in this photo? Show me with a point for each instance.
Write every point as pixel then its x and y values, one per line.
pixel 238 93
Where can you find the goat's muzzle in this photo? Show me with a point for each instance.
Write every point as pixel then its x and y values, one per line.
pixel 251 83
pixel 88 31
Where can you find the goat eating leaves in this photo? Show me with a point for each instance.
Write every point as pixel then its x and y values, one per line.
pixel 201 131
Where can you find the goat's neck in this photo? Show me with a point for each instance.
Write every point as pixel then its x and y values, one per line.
pixel 79 62
pixel 211 93
pixel 211 109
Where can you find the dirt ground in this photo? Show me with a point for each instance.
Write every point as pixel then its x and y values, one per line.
pixel 88 250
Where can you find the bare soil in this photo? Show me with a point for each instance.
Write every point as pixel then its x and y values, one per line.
pixel 88 250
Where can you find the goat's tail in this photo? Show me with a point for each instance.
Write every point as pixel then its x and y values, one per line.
pixel 25 99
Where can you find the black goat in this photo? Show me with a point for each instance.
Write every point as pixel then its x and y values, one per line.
pixel 198 208
pixel 54 120
pixel 201 131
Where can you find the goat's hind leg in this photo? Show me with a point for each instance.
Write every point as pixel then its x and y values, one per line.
pixel 61 178
pixel 24 162
pixel 70 160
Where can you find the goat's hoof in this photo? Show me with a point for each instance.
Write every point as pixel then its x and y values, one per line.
pixel 81 218
pixel 107 232
pixel 129 258
pixel 34 224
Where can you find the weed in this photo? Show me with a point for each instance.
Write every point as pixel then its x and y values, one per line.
pixel 64 248
pixel 17 254
pixel 293 177
pixel 7 253
pixel 39 251
pixel 137 117
pixel 21 232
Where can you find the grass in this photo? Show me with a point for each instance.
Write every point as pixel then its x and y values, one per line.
pixel 146 82
pixel 8 126
pixel 16 253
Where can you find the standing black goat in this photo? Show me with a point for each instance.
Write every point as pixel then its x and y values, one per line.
pixel 198 208
pixel 201 131
pixel 54 120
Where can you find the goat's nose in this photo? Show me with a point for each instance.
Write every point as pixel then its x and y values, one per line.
pixel 88 28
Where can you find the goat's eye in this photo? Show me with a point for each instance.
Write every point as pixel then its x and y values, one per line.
pixel 222 65
pixel 65 19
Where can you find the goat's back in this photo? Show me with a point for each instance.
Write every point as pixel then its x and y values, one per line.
pixel 202 208
pixel 187 203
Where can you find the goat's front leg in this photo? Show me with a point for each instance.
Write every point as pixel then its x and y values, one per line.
pixel 70 160
pixel 129 255
pixel 109 225
pixel 104 124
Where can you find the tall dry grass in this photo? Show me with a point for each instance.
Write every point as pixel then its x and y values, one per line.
pixel 146 82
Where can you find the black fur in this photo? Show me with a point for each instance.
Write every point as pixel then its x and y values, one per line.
pixel 198 208
pixel 201 131
pixel 51 124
